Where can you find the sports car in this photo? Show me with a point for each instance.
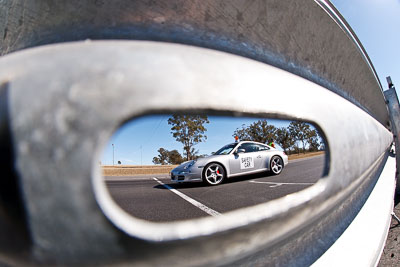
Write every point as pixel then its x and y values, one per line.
pixel 235 159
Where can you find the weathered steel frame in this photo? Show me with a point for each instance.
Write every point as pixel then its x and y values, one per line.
pixel 61 121
pixel 61 104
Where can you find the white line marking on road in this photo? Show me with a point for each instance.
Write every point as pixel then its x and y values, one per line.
pixel 279 184
pixel 190 200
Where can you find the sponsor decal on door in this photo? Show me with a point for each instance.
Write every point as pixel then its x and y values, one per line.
pixel 246 163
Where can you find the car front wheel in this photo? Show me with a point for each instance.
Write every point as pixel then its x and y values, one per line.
pixel 214 174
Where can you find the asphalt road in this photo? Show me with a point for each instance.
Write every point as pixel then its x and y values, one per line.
pixel 155 198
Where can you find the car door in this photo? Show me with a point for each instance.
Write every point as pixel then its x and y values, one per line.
pixel 263 156
pixel 248 161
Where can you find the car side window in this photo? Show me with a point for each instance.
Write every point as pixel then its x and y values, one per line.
pixel 254 148
pixel 262 148
pixel 248 147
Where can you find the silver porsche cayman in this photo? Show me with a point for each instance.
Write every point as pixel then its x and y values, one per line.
pixel 240 158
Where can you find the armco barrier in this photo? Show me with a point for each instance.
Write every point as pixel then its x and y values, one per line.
pixel 61 102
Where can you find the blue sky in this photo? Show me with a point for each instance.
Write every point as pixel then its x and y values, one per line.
pixel 376 24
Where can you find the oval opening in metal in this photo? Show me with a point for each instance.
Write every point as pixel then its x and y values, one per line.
pixel 174 167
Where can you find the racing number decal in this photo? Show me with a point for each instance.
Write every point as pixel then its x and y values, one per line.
pixel 246 163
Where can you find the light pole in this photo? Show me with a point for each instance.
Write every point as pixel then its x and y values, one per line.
pixel 113 153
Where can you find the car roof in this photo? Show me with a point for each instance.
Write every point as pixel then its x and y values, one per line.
pixel 246 142
pixel 242 142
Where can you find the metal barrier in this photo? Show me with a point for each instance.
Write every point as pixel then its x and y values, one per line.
pixel 62 102
pixel 394 110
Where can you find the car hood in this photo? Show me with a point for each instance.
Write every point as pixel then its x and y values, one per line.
pixel 199 161
pixel 208 159
pixel 182 166
pixel 213 156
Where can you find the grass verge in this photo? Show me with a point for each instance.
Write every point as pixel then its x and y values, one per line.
pixel 306 155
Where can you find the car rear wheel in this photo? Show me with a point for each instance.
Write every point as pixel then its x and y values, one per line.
pixel 214 174
pixel 276 165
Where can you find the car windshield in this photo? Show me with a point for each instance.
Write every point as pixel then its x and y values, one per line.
pixel 226 149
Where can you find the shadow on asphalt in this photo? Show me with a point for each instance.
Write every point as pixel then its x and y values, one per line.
pixel 397 191
pixel 396 207
pixel 396 198
pixel 227 181
pixel 394 226
pixel 248 177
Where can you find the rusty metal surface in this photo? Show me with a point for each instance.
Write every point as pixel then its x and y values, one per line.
pixel 298 36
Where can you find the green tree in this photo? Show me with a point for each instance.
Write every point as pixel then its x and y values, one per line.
pixel 300 131
pixel 168 157
pixel 162 157
pixel 313 140
pixel 174 157
pixel 188 130
pixel 259 131
pixel 284 139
